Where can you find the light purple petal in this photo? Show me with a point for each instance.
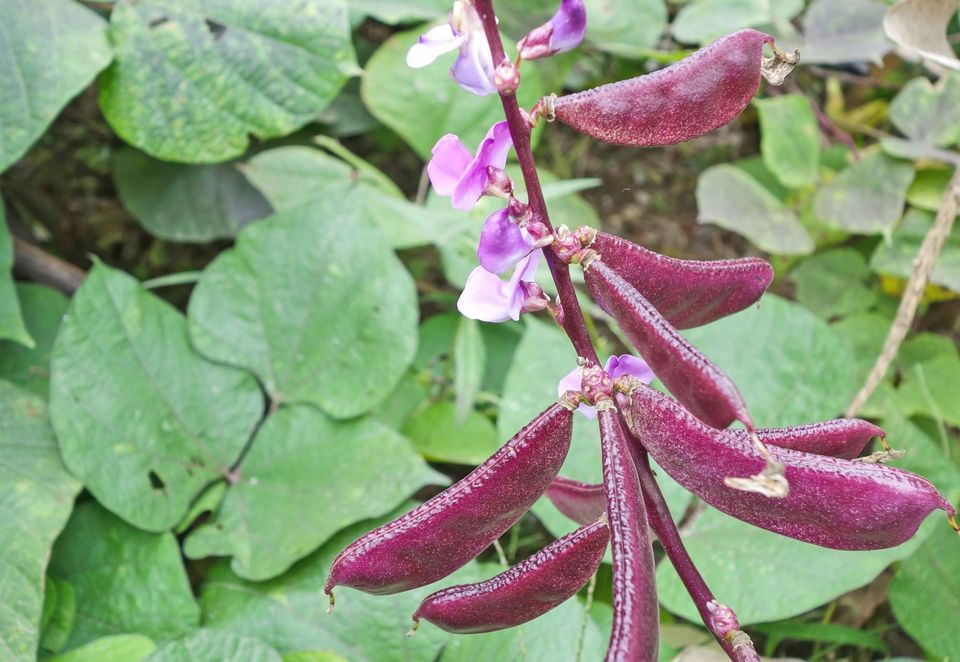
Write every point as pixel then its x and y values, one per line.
pixel 449 163
pixel 473 69
pixel 569 25
pixel 572 382
pixel 625 364
pixel 487 298
pixel 502 243
pixel 527 268
pixel 492 151
pixel 434 43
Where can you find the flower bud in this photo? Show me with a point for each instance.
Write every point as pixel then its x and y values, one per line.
pixel 499 184
pixel 506 77
pixel 534 298
pixel 563 32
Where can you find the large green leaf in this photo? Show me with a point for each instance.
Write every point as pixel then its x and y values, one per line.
pixel 867 197
pixel 289 612
pixel 115 648
pixel 422 105
pixel 843 32
pixel 790 365
pixel 36 496
pixel 896 257
pixel 186 203
pixel 11 318
pixel 927 112
pixel 49 51
pixel 215 646
pixel 126 580
pixel 315 304
pixel 142 418
pixel 701 21
pixel 625 28
pixel 193 79
pixel 305 477
pixel 440 436
pixel 790 139
pixel 42 308
pixel 835 283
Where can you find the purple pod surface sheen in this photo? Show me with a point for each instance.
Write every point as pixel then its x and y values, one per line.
pixel 842 437
pixel 687 293
pixel 634 636
pixel 581 502
pixel 443 534
pixel 832 502
pixel 525 591
pixel 700 385
pixel 688 99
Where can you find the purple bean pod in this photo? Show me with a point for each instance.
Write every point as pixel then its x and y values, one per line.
pixel 835 503
pixel 687 293
pixel 581 502
pixel 636 618
pixel 446 532
pixel 688 99
pixel 700 385
pixel 525 591
pixel 842 437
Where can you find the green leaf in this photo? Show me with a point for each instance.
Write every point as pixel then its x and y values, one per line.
pixel 626 29
pixel 835 283
pixel 396 12
pixel 142 418
pixel 896 257
pixel 186 203
pixel 732 199
pixel 316 305
pixel 215 646
pixel 931 388
pixel 469 358
pixel 289 612
pixel 305 477
pixel 422 105
pixel 790 139
pixel 789 364
pixel 36 496
pixel 925 594
pixel 867 197
pixel 441 437
pixel 117 648
pixel 125 580
pixel 193 80
pixel 59 612
pixel 928 112
pixel 768 576
pixel 52 49
pixel 839 33
pixel 11 319
pixel 701 21
pixel 829 633
pixel 928 188
pixel 313 656
pixel 42 308
pixel 925 455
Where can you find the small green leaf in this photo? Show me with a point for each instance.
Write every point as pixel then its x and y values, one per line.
pixel 790 139
pixel 835 283
pixel 928 112
pixel 116 648
pixel 142 418
pixel 305 477
pixel 125 580
pixel 928 188
pixel 701 21
pixel 469 359
pixel 193 80
pixel 42 309
pixel 729 197
pixel 867 197
pixel 11 319
pixel 316 305
pixel 896 257
pixel 441 437
pixel 59 611
pixel 842 32
pixel 625 28
pixel 186 203
pixel 215 646
pixel 36 496
pixel 52 49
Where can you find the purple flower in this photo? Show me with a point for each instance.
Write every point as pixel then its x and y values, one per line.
pixel 487 298
pixel 473 69
pixel 561 33
pixel 616 366
pixel 503 243
pixel 455 172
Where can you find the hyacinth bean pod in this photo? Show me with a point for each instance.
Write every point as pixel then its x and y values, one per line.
pixel 444 533
pixel 841 437
pixel 581 502
pixel 687 293
pixel 688 99
pixel 635 631
pixel 701 386
pixel 836 503
pixel 525 591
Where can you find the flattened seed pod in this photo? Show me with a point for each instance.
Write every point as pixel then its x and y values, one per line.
pixel 836 503
pixel 443 534
pixel 685 100
pixel 701 386
pixel 841 437
pixel 581 502
pixel 525 591
pixel 687 293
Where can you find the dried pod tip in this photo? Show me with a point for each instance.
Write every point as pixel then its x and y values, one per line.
pixel 331 602
pixel 414 627
pixel 778 66
pixel 953 523
pixel 545 109
pixel 882 457
pixel 770 482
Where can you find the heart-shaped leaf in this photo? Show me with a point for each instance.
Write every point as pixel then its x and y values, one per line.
pixel 790 139
pixel 868 197
pixel 835 283
pixel 929 112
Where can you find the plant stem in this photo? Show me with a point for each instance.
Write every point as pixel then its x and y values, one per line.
pixel 573 323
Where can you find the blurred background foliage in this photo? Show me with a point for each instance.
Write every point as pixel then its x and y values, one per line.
pixel 265 359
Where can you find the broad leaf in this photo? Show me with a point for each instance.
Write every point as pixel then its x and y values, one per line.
pixel 729 197
pixel 625 28
pixel 441 437
pixel 921 26
pixel 215 646
pixel 896 257
pixel 928 112
pixel 42 308
pixel 193 80
pixel 11 319
pixel 116 648
pixel 843 32
pixel 315 304
pixel 835 283
pixel 186 203
pixel 125 580
pixel 142 418
pixel 469 359
pixel 305 477
pixel 36 496
pixel 49 51
pixel 867 197
pixel 395 12
pixel 790 139
pixel 701 21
